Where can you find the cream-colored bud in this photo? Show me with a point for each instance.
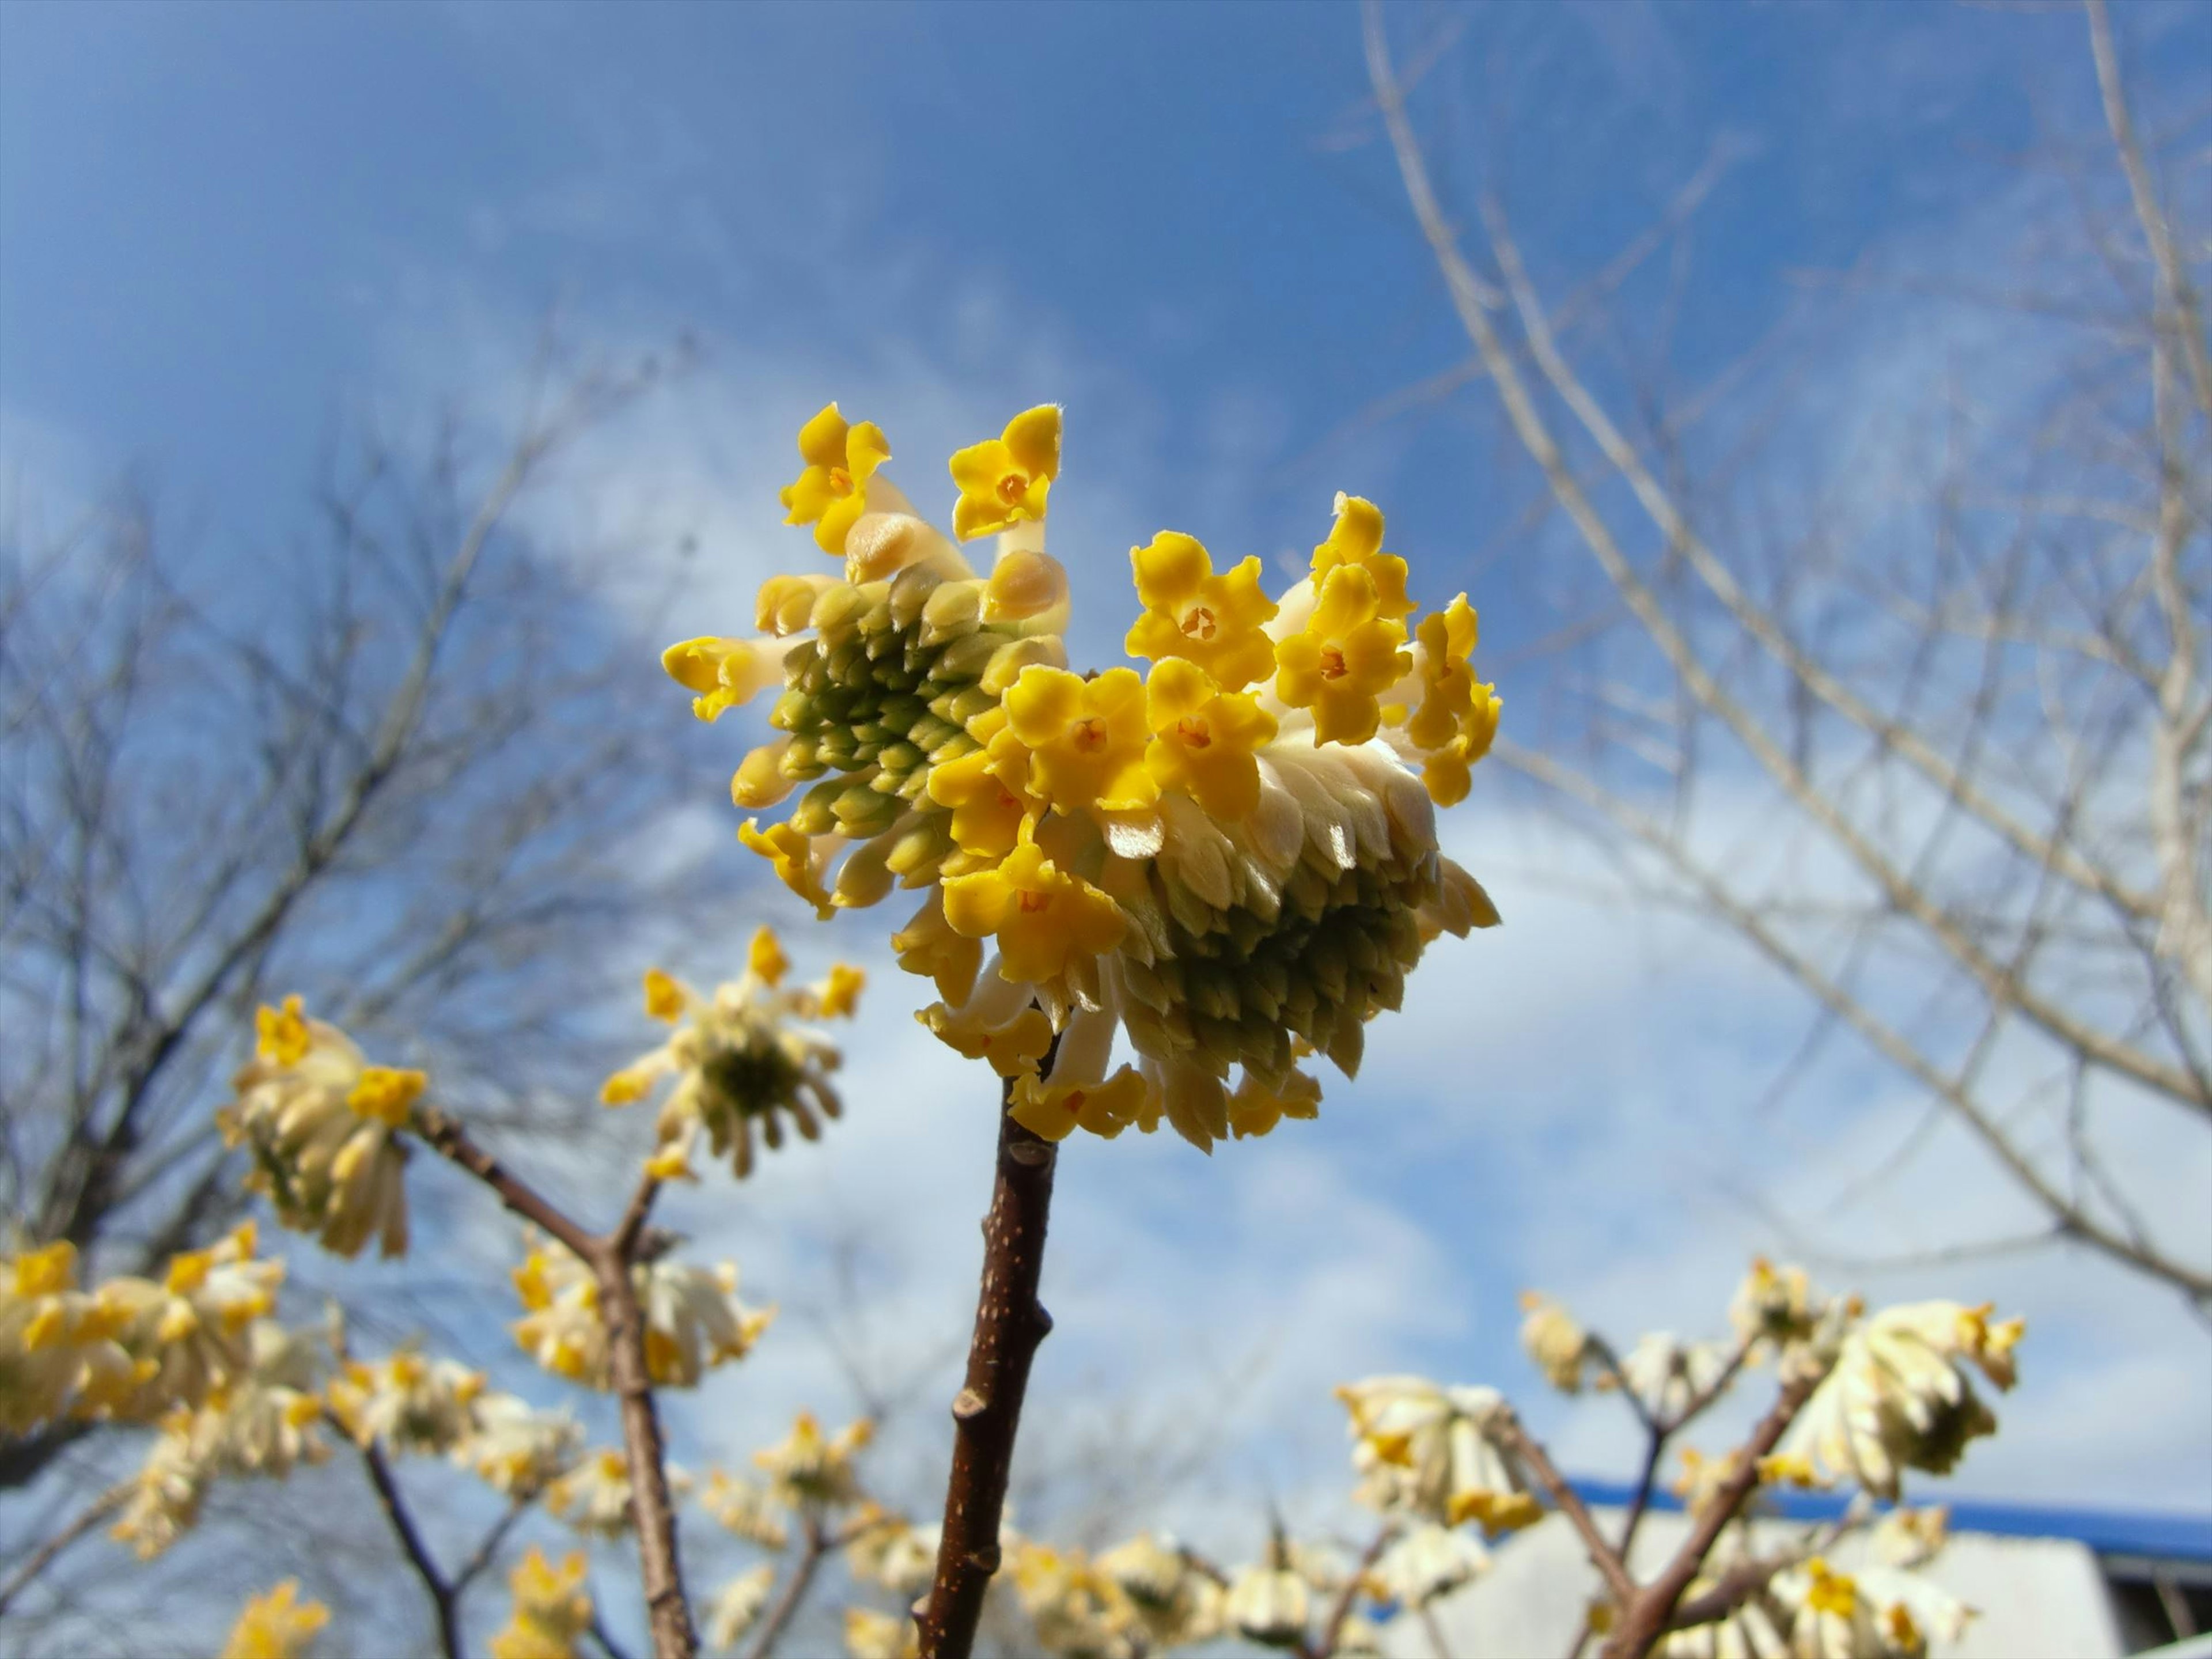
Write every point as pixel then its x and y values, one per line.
pixel 1025 586
pixel 760 780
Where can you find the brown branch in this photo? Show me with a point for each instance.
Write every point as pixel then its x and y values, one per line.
pixel 1010 1323
pixel 50 1551
pixel 1505 1428
pixel 482 1557
pixel 1646 1614
pixel 816 1545
pixel 444 1602
pixel 453 1143
pixel 1332 1631
pixel 669 1612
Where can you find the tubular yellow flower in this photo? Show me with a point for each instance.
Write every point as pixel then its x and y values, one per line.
pixel 1004 480
pixel 929 945
pixel 552 1614
pixel 278 1625
pixel 1086 738
pixel 723 674
pixel 840 995
pixel 987 791
pixel 1012 1046
pixel 831 493
pixel 281 1035
pixel 1044 918
pixel 1206 738
pixel 386 1095
pixel 796 864
pixel 1215 621
pixel 1357 540
pixel 1347 655
pixel 1447 638
pixel 1255 1109
pixel 1057 1111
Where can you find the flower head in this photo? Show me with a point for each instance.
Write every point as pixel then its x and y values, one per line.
pixel 832 491
pixel 1560 1347
pixel 1348 654
pixel 1206 739
pixel 810 1471
pixel 551 1613
pixel 276 1626
pixel 1004 480
pixel 1428 1451
pixel 1217 622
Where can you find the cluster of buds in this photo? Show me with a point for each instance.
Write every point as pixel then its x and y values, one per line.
pixel 132 1349
pixel 551 1615
pixel 1815 1610
pixel 693 1319
pixel 743 1062
pixel 1231 858
pixel 1429 1453
pixel 322 1126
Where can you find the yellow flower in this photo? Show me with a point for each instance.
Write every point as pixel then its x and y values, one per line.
pixel 1255 1108
pixel 841 993
pixel 1004 480
pixel 1012 1049
pixel 927 945
pixel 793 854
pixel 721 674
pixel 281 1035
pixel 832 492
pixel 987 790
pixel 1347 656
pixel 1446 771
pixel 1086 738
pixel 1044 918
pixel 663 997
pixel 551 1615
pixel 1447 638
pixel 766 959
pixel 1206 738
pixel 1356 539
pixel 385 1094
pixel 278 1625
pixel 1217 622
pixel 1104 1108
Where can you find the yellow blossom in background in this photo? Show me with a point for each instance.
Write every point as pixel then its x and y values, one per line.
pixel 1217 622
pixel 551 1615
pixel 872 1635
pixel 276 1626
pixel 1206 739
pixel 831 493
pixel 1558 1345
pixel 811 1472
pixel 1003 481
pixel 594 1496
pixel 1345 658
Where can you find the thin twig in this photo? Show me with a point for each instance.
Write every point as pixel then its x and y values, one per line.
pixel 1506 1429
pixel 1010 1323
pixel 673 1637
pixel 814 1545
pixel 1331 1630
pixel 443 1602
pixel 49 1552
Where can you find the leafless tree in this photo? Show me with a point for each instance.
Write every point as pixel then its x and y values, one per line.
pixel 1970 730
pixel 395 766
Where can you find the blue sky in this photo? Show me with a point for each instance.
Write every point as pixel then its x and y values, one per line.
pixel 223 228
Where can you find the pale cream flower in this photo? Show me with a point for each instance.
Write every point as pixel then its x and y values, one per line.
pixel 1427 1561
pixel 1423 1449
pixel 166 1493
pixel 407 1403
pixel 1560 1347
pixel 693 1319
pixel 1075 1611
pixel 1899 1398
pixel 276 1626
pixel 738 1606
pixel 551 1615
pixel 1879 1612
pixel 891 1551
pixel 742 1063
pixel 1667 1374
pixel 810 1471
pixel 192 1325
pixel 1269 1605
pixel 1177 1604
pixel 872 1635
pixel 744 1509
pixel 1774 1307
pixel 594 1496
pixel 322 1125
pixel 514 1448
pixel 1907 1538
pixel 1750 1631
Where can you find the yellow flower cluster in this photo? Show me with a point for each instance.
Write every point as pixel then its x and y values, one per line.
pixel 133 1348
pixel 1230 857
pixel 743 1063
pixel 693 1319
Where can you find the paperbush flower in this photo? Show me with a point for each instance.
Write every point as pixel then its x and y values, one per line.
pixel 407 1403
pixel 551 1611
pixel 1426 1562
pixel 514 1448
pixel 1667 1373
pixel 1269 1605
pixel 1230 859
pixel 276 1626
pixel 321 1125
pixel 594 1496
pixel 1898 1396
pixel 1558 1345
pixel 693 1319
pixel 810 1471
pixel 737 1607
pixel 744 1509
pixel 872 1635
pixel 1425 1450
pixel 744 1065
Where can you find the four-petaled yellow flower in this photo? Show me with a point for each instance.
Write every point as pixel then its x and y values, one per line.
pixel 721 674
pixel 1356 539
pixel 386 1094
pixel 928 946
pixel 1347 656
pixel 1447 638
pixel 281 1034
pixel 1215 621
pixel 1086 738
pixel 1205 740
pixel 1012 1049
pixel 1045 918
pixel 832 492
pixel 1004 480
pixel 987 790
pixel 765 960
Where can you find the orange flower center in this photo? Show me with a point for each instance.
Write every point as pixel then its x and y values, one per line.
pixel 1089 734
pixel 1075 1098
pixel 1200 623
pixel 1193 732
pixel 1332 662
pixel 1032 903
pixel 841 481
pixel 1012 487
